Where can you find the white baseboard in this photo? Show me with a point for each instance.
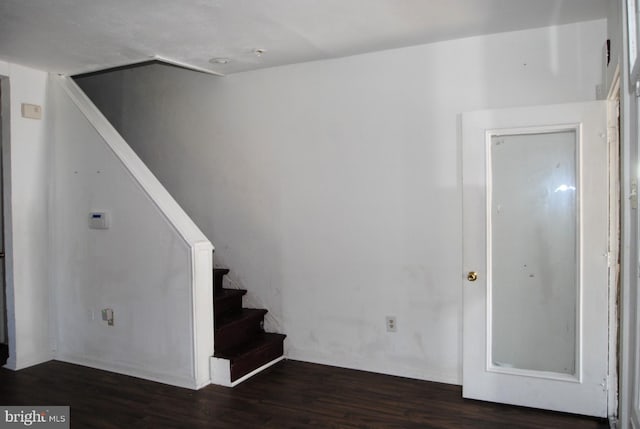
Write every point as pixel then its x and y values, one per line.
pixel 16 365
pixel 202 384
pixel 173 380
pixel 436 378
pixel 256 371
pixel 221 371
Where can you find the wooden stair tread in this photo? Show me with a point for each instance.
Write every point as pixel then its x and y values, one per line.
pixel 226 302
pixel 228 321
pixel 265 340
pixel 224 293
pixel 239 335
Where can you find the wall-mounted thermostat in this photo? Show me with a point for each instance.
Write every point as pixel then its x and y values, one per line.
pixel 31 111
pixel 98 220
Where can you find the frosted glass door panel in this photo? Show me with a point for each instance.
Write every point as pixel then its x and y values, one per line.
pixel 533 251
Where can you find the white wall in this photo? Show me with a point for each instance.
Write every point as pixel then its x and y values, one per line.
pixel 332 189
pixel 26 155
pixel 614 34
pixel 142 267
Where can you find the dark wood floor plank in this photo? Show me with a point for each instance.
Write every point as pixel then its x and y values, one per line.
pixel 289 395
pixel 4 353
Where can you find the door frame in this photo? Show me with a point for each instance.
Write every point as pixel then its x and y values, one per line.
pixel 629 348
pixel 615 242
pixel 4 332
pixel 5 147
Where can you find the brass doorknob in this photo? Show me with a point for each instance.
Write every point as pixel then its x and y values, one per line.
pixel 472 276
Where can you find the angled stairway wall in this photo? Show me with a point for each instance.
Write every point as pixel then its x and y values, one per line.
pixel 153 266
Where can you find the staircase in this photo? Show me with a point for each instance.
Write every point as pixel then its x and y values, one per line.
pixel 242 348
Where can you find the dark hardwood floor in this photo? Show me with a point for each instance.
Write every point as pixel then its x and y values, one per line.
pixel 289 395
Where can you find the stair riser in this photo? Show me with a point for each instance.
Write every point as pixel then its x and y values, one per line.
pixel 218 277
pixel 227 306
pixel 246 364
pixel 241 345
pixel 227 337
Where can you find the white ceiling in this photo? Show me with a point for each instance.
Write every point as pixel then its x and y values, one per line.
pixel 73 36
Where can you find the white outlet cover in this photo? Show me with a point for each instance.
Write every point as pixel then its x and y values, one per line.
pixel 392 324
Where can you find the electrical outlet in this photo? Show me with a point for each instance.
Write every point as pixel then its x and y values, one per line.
pixel 107 315
pixel 392 326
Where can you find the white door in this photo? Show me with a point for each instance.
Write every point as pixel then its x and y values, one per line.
pixel 535 220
